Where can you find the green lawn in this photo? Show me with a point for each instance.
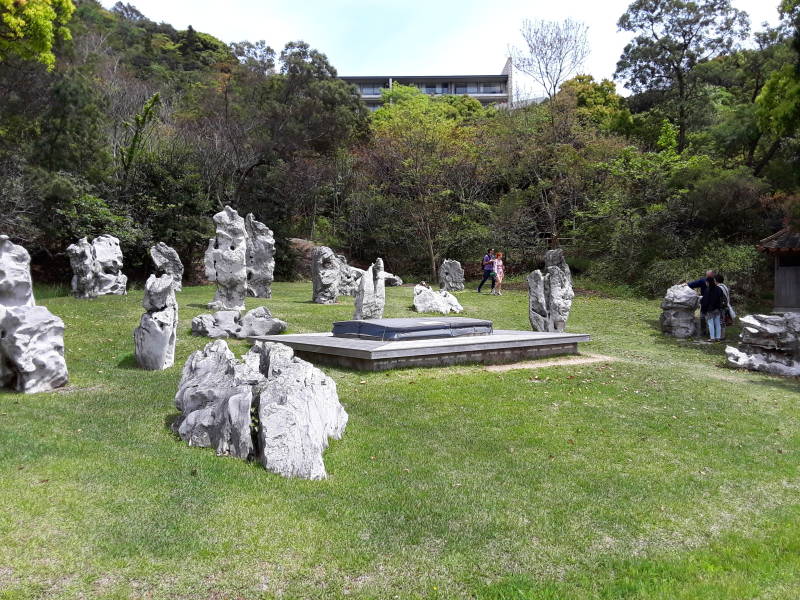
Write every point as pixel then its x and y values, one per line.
pixel 659 475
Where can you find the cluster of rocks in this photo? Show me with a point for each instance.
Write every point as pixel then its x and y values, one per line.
pixel 31 337
pixel 97 267
pixel 677 312
pixel 550 294
pixel 768 343
pixel 371 294
pixel 270 406
pixel 232 324
pixel 240 259
pixel 451 276
pixel 427 300
pixel 331 276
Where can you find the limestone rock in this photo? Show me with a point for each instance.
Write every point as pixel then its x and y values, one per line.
pixel 297 407
pixel 230 323
pixel 109 278
pixel 550 294
pixel 260 258
pixel 226 261
pixel 451 276
pixel 427 300
pixel 299 411
pixel 371 295
pixel 155 338
pixel 768 343
pixel 325 274
pixel 168 262
pixel 16 287
pixel 84 269
pixel 349 277
pixel 678 308
pixel 392 280
pixel 31 349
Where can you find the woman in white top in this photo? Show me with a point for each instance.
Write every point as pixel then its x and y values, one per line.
pixel 727 292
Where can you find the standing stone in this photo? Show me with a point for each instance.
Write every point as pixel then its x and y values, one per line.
pixel 768 343
pixel 109 278
pixel 84 269
pixel 31 337
pixel 226 261
pixel 550 295
pixel 168 262
pixel 157 333
pixel 371 295
pixel 325 274
pixel 296 406
pixel 16 287
pixel 260 258
pixel 349 277
pixel 427 300
pixel 678 308
pixel 451 276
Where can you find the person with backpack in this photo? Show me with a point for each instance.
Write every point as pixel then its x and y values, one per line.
pixel 488 269
pixel 712 305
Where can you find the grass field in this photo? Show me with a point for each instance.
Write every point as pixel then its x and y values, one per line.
pixel 660 474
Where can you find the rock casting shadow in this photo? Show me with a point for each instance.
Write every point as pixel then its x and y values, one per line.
pixel 129 362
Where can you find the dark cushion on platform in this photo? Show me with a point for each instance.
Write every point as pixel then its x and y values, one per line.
pixel 412 328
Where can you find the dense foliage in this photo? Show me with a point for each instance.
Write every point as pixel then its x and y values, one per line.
pixel 144 131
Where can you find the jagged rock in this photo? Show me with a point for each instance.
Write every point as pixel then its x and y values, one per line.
pixel 109 278
pixel 230 323
pixel 299 411
pixel 349 277
pixel 297 407
pixel 427 300
pixel 260 258
pixel 16 286
pixel 168 262
pixel 31 349
pixel 550 295
pixel 97 267
pixel 768 343
pixel 226 261
pixel 81 259
pixel 451 276
pixel 678 308
pixel 155 338
pixel 392 280
pixel 325 274
pixel 371 296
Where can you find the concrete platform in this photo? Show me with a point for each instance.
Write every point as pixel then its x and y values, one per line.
pixel 502 346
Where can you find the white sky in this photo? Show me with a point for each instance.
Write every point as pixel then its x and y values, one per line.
pixel 410 37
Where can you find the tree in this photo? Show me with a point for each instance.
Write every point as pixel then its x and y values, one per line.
pixel 29 29
pixel 555 52
pixel 672 38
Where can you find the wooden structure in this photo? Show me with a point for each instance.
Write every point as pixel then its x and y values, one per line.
pixel 784 247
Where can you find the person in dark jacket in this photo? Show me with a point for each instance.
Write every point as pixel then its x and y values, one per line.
pixel 702 283
pixel 711 305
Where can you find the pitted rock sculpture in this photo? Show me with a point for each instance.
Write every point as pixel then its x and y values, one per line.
pixel 427 300
pixel 230 323
pixel 296 405
pixel 226 261
pixel 325 274
pixel 451 276
pixel 550 295
pixel 371 296
pixel 678 308
pixel 155 338
pixel 349 277
pixel 16 287
pixel 768 343
pixel 260 258
pixel 97 267
pixel 31 337
pixel 392 280
pixel 168 262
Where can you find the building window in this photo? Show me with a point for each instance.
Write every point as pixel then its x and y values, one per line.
pixel 370 89
pixel 491 88
pixel 430 88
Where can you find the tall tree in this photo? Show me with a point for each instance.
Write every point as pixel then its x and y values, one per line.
pixel 29 28
pixel 672 38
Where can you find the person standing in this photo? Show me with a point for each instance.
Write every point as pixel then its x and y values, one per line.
pixel 712 303
pixel 500 271
pixel 702 286
pixel 728 313
pixel 488 269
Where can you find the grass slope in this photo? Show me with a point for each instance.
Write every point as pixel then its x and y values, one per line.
pixel 659 475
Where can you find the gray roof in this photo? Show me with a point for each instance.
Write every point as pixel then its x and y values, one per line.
pixel 784 240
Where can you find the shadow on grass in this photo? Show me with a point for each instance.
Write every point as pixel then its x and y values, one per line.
pixel 195 305
pixel 129 363
pixel 171 423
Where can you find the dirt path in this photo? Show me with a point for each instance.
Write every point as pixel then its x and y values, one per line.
pixel 584 359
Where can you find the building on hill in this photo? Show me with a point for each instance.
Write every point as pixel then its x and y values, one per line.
pixel 784 247
pixel 487 89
